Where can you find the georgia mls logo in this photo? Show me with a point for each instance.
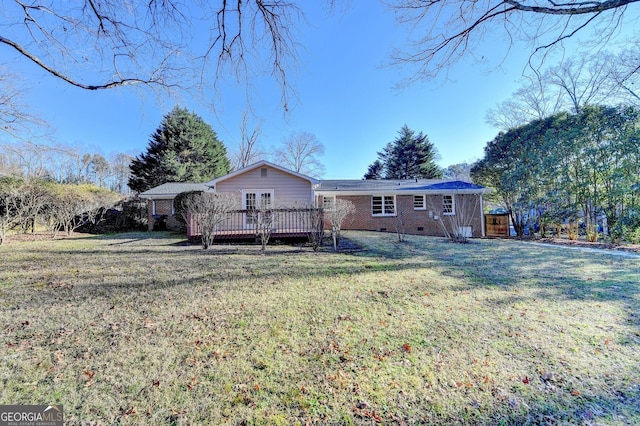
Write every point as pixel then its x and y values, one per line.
pixel 31 415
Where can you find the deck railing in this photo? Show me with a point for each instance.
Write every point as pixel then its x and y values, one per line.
pixel 283 222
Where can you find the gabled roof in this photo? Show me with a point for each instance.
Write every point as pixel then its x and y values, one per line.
pixel 253 166
pixel 392 185
pixel 171 189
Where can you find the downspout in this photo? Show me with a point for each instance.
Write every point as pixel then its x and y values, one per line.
pixel 313 197
pixel 314 201
pixel 150 220
pixel 482 216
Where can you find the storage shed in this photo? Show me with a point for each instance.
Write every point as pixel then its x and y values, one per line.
pixel 496 224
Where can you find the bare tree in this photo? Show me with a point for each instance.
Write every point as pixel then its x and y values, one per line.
pixel 7 166
pixel 311 219
pixel 26 159
pixel 120 171
pixel 460 171
pixel 451 30
pixel 32 198
pixel 336 214
pixel 532 101
pixel 248 151
pixel 15 118
pixel 64 164
pixel 101 44
pixel 263 218
pixel 71 206
pixel 209 211
pixel 624 72
pixel 315 216
pixel 100 169
pixel 400 225
pixel 569 86
pixel 582 80
pixel 299 152
pixel 10 189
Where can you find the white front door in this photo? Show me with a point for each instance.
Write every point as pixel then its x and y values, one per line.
pixel 255 200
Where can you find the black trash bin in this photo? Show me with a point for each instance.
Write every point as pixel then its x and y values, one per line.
pixel 159 222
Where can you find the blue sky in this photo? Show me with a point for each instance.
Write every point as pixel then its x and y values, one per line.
pixel 345 95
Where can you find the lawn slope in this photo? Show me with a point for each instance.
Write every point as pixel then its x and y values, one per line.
pixel 143 329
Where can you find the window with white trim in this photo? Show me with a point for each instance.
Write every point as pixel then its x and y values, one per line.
pixel 448 205
pixel 383 205
pixel 329 203
pixel 419 202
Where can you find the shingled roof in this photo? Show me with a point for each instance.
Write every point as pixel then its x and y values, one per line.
pixel 453 185
pixel 171 189
pixel 414 185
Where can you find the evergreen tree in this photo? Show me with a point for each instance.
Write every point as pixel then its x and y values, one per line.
pixel 182 149
pixel 375 170
pixel 410 156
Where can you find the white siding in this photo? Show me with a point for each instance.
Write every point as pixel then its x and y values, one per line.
pixel 288 190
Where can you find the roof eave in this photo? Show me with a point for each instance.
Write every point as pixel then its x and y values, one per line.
pixel 400 191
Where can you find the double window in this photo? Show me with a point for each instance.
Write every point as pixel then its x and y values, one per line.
pixel 383 205
pixel 328 203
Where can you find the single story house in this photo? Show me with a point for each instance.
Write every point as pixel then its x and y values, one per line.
pixel 415 206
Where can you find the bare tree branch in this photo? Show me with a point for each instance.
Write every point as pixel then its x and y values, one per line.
pixel 66 78
pixel 102 44
pixel 571 8
pixel 15 117
pixel 448 30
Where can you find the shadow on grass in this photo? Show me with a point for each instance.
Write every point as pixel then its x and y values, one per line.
pixel 164 265
pixel 567 274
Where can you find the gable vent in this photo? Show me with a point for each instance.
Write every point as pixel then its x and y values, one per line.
pixel 263 172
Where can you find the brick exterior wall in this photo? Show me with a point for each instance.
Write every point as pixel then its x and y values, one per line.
pixel 163 207
pixel 415 222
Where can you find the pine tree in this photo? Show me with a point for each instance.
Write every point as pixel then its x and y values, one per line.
pixel 410 156
pixel 182 149
pixel 375 170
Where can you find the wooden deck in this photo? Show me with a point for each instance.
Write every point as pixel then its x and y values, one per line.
pixel 249 234
pixel 240 225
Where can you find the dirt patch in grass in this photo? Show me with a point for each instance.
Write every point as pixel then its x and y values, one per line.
pixel 143 329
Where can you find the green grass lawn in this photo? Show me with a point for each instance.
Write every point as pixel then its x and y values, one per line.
pixel 142 329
